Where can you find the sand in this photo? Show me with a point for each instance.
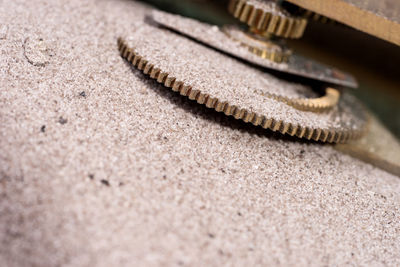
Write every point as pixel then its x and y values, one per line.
pixel 100 166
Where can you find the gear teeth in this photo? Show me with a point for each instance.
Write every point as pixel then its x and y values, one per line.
pixel 321 104
pixel 154 72
pixel 309 133
pixel 130 55
pixel 162 76
pixel 277 56
pixel 211 102
pixel 314 16
pixel 276 125
pixel 236 113
pixel 194 94
pixel 201 99
pixel 176 87
pixel 301 132
pixel 316 134
pixel 295 10
pixel 148 68
pixel 292 130
pixel 246 116
pixel 324 135
pixel 257 120
pixel 331 136
pixel 169 81
pixel 337 137
pixel 136 60
pixel 285 128
pixel 219 106
pixel 142 64
pixel 266 123
pixel 267 21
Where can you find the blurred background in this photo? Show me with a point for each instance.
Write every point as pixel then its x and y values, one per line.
pixel 375 63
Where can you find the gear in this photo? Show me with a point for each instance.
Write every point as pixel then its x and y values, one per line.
pixel 315 17
pixel 213 36
pixel 326 102
pixel 324 134
pixel 307 14
pixel 266 17
pixel 259 46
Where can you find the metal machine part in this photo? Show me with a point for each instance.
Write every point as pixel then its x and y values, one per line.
pixel 217 38
pixel 326 102
pixel 273 51
pixel 263 44
pixel 348 116
pixel 266 17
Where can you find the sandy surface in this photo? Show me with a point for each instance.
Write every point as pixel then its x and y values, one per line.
pixel 100 167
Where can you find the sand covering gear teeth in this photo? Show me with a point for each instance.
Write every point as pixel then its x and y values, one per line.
pixel 347 121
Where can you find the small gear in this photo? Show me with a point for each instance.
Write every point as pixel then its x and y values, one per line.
pixel 345 123
pixel 315 16
pixel 259 45
pixel 307 14
pixel 267 17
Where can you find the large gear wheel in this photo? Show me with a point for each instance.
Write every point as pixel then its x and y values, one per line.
pixel 267 17
pixel 166 64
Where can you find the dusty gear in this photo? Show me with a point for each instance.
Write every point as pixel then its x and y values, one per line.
pixel 267 17
pixel 320 104
pixel 334 135
pixel 214 36
pixel 273 51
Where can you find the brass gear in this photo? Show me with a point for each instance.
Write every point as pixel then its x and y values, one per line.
pixel 315 16
pixel 258 45
pixel 267 17
pixel 320 104
pixel 307 14
pixel 323 135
